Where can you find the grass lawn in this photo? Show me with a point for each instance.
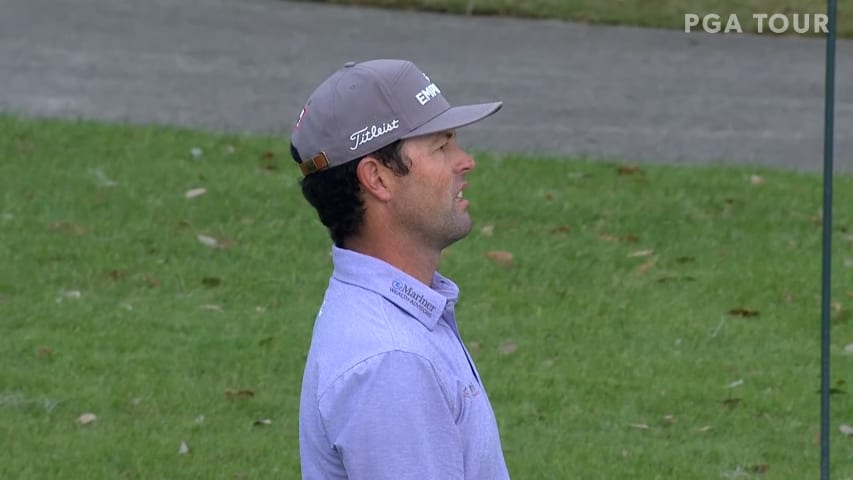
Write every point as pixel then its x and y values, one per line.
pixel 653 323
pixel 645 13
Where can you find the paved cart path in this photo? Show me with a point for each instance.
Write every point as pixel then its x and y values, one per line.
pixel 247 65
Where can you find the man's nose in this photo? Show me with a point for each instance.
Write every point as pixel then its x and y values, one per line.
pixel 466 161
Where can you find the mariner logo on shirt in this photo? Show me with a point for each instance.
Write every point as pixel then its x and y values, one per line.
pixel 402 290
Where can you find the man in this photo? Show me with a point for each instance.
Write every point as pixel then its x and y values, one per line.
pixel 389 390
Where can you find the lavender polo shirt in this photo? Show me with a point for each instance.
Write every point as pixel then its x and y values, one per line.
pixel 390 391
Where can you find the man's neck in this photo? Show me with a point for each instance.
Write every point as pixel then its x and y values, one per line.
pixel 418 262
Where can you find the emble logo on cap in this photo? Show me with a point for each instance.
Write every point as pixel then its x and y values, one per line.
pixel 427 94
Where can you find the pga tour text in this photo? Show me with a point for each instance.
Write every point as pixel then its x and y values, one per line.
pixel 773 22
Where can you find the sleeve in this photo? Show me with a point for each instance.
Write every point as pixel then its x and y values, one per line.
pixel 389 418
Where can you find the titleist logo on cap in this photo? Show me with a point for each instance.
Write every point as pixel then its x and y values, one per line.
pixel 366 134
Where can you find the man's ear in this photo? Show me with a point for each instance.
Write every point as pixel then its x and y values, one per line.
pixel 374 178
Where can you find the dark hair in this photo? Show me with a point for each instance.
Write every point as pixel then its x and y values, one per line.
pixel 336 194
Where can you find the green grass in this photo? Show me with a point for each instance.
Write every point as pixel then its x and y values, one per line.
pixel 618 300
pixel 644 13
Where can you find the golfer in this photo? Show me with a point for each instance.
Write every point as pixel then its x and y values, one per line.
pixel 389 389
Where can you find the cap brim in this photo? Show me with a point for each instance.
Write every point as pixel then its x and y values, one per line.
pixel 456 117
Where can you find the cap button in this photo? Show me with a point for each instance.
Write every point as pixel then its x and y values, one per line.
pixel 349 64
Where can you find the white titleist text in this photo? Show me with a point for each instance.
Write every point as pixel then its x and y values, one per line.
pixel 367 134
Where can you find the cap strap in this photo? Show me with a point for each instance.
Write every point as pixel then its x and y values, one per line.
pixel 319 162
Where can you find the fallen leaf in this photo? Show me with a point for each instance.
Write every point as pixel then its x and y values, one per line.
pixel 195 192
pixel 508 347
pixel 641 253
pixel 211 281
pixel 789 297
pixel 260 423
pixel 71 294
pixel 117 274
pixel 817 219
pixel 487 230
pixel 184 449
pixel 239 394
pixel 756 180
pixel 213 242
pixel 630 238
pixel 729 200
pixel 208 241
pixel 86 418
pixel 269 161
pixel 646 266
pixel 500 257
pixel 628 169
pixel 43 351
pixel 609 238
pixel 743 312
pixel 736 383
pixel 847 430
pixel 759 469
pixel 101 178
pixel 641 426
pixel 151 281
pixel 69 228
pixel 24 145
pixel 561 229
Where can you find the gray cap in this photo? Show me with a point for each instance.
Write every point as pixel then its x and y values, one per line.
pixel 366 106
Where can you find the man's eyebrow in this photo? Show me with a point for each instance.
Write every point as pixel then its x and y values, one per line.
pixel 443 136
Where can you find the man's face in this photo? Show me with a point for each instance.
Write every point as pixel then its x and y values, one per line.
pixel 428 201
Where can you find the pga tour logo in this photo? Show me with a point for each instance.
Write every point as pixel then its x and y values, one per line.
pixel 775 22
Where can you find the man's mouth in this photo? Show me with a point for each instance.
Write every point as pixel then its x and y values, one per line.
pixel 459 194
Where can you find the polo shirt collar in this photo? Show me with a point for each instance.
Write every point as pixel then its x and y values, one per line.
pixel 425 303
